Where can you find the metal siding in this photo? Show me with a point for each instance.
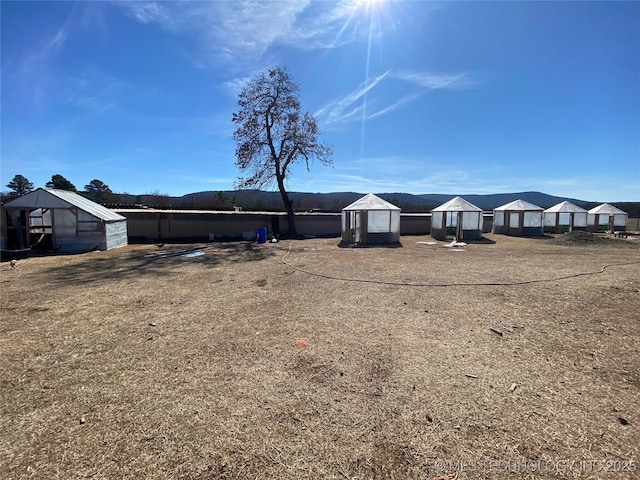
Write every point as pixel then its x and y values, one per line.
pixel 322 225
pixel 532 231
pixel 382 238
pixel 415 224
pixel 186 225
pixel 73 244
pixel 177 225
pixel 471 234
pixel 140 225
pixel 116 234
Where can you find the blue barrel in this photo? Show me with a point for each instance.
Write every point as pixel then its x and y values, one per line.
pixel 261 233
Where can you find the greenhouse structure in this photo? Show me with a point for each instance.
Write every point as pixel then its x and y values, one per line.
pixel 565 217
pixel 456 218
pixel 62 222
pixel 369 221
pixel 518 218
pixel 606 218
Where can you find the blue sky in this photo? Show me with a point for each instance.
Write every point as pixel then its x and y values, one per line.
pixel 416 97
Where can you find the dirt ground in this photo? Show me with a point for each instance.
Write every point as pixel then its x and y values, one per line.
pixel 506 358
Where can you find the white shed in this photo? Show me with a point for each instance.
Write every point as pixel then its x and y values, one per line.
pixel 565 217
pixel 60 221
pixel 457 218
pixel 370 220
pixel 605 218
pixel 518 218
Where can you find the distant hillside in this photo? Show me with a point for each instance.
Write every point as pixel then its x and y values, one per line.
pixel 339 200
pixel 336 201
pixel 489 202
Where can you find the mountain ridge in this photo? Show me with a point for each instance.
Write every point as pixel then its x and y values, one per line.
pixel 337 200
pixel 258 200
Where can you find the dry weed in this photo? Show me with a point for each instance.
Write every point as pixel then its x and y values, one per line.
pixel 337 363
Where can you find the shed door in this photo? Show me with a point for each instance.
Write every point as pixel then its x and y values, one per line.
pixel 164 226
pixel 358 226
pixel 357 222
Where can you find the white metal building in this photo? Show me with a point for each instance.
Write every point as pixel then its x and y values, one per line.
pixel 60 221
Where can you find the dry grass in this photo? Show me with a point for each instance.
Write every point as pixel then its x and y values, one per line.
pixel 141 363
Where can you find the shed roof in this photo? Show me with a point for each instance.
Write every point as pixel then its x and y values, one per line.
pixel 371 202
pixel 52 198
pixel 607 209
pixel 457 204
pixel 520 205
pixel 566 207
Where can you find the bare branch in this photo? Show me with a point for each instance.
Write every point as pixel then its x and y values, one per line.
pixel 271 133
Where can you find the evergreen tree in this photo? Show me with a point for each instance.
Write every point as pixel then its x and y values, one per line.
pixel 60 183
pixel 97 190
pixel 19 186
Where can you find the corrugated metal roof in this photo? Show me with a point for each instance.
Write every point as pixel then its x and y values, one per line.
pixel 566 207
pixel 51 198
pixel 371 202
pixel 607 209
pixel 457 204
pixel 519 205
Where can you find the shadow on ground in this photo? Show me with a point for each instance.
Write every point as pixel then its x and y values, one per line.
pixel 482 240
pixel 370 245
pixel 156 261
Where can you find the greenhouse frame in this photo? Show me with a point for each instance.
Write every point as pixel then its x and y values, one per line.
pixel 565 217
pixel 607 218
pixel 60 221
pixel 370 221
pixel 518 218
pixel 457 218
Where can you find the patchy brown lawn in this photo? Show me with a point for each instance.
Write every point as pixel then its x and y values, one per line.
pixel 304 360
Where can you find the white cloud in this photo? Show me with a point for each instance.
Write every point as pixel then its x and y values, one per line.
pixel 30 66
pixel 435 81
pixel 228 181
pixel 391 174
pixel 93 90
pixel 601 188
pixel 325 25
pixel 346 109
pixel 402 101
pixel 243 30
pixel 229 31
pixel 147 12
pixel 342 110
pixel 250 28
pixel 34 73
pixel 235 85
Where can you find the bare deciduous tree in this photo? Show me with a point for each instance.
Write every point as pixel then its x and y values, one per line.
pixel 272 134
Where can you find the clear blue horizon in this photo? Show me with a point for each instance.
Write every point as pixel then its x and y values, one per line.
pixel 414 96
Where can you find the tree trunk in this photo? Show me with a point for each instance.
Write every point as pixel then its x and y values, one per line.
pixel 288 205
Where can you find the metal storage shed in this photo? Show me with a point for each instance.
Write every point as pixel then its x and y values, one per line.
pixel 518 218
pixel 605 218
pixel 565 217
pixel 457 218
pixel 370 220
pixel 61 221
